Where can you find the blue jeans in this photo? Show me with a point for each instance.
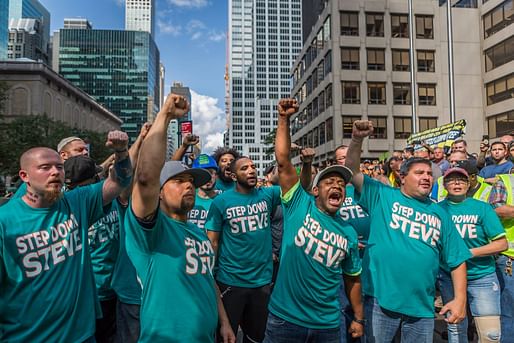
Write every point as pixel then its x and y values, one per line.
pixel 279 330
pixel 346 317
pixel 483 299
pixel 507 300
pixel 382 325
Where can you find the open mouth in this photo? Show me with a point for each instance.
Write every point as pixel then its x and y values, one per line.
pixel 335 199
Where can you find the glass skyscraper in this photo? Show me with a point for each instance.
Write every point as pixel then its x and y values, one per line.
pixel 4 30
pixel 265 36
pixel 119 69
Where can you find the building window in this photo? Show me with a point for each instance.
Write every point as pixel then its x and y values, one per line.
pixel 376 59
pixel 329 125
pixel 402 127
pixel 402 93
pixel 399 26
pixel 425 27
pixel 427 123
pixel 500 90
pixel 350 58
pixel 401 60
pixel 376 93
pixel 426 61
pixel 349 23
pixel 328 96
pixel 322 138
pixel 328 63
pixel 426 94
pixel 379 127
pixel 375 24
pixel 499 54
pixel 351 92
pixel 498 18
pixel 348 125
pixel 321 102
pixel 501 124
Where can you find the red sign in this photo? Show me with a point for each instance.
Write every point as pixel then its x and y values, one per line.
pixel 186 127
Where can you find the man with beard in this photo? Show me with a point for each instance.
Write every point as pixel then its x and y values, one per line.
pixel 239 223
pixel 173 258
pixel 318 247
pixel 409 237
pixel 204 194
pixel 502 164
pixel 47 289
pixel 224 157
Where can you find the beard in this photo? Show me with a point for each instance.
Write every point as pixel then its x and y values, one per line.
pixel 52 195
pixel 187 204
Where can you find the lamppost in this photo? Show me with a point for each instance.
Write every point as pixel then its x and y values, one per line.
pixel 450 60
pixel 412 75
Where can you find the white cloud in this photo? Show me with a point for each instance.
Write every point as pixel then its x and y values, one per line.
pixel 120 3
pixel 216 36
pixel 208 120
pixel 168 28
pixel 189 3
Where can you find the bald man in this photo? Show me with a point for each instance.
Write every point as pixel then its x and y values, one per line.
pixel 47 290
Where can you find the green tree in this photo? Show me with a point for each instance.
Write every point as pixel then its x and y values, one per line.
pixel 3 96
pixel 269 142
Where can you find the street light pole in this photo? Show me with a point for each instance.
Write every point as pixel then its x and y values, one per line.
pixel 450 60
pixel 412 65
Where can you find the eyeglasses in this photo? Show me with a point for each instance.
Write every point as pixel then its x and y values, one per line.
pixel 455 181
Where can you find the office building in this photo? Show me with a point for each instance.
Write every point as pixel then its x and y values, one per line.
pixel 264 38
pixel 174 132
pixel 140 16
pixel 35 89
pixel 4 28
pixel 26 40
pixel 120 69
pixel 356 64
pixel 77 23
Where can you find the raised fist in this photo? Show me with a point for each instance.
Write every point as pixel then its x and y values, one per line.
pixel 307 155
pixel 117 140
pixel 287 107
pixel 176 106
pixel 362 128
pixel 190 139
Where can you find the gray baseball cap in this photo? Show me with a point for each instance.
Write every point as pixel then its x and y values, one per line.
pixel 174 168
pixel 345 173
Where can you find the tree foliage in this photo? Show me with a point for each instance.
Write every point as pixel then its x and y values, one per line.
pixel 269 142
pixel 26 132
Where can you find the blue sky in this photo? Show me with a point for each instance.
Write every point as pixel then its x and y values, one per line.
pixel 191 36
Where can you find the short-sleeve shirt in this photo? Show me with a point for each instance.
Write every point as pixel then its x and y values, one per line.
pixel 124 278
pixel 198 214
pixel 244 222
pixel 317 248
pixel 478 224
pixel 408 239
pixel 354 214
pixel 496 169
pixel 104 246
pixel 47 289
pixel 174 262
pixel 223 186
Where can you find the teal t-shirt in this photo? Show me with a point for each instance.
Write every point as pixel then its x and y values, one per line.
pixel 103 246
pixel 223 186
pixel 20 191
pixel 407 241
pixel 174 262
pixel 244 222
pixel 352 213
pixel 316 249
pixel 478 224
pixel 198 215
pixel 124 278
pixel 47 289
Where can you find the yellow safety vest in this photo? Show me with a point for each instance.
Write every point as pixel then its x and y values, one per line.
pixel 481 194
pixel 508 224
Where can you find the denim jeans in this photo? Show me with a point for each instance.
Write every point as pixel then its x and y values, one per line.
pixel 346 317
pixel 483 299
pixel 382 325
pixel 279 330
pixel 127 322
pixel 507 300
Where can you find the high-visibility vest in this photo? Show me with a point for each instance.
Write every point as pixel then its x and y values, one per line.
pixel 481 194
pixel 508 224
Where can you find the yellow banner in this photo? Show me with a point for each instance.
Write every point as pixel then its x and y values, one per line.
pixel 442 136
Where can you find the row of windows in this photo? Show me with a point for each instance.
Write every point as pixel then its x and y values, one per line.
pixel 402 126
pixel 501 124
pixel 351 93
pixel 320 135
pixel 316 107
pixel 499 54
pixel 319 74
pixel 498 18
pixel 375 25
pixel 500 90
pixel 350 59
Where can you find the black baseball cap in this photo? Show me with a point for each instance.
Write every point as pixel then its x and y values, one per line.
pixel 80 168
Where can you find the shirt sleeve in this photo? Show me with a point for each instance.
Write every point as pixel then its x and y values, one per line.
pixel 498 196
pixel 214 221
pixel 492 225
pixel 352 264
pixel 294 197
pixel 453 249
pixel 370 193
pixel 138 237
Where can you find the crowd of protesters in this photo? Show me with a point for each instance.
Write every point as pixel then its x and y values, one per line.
pixel 137 248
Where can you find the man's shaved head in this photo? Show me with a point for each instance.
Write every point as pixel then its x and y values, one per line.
pixel 29 156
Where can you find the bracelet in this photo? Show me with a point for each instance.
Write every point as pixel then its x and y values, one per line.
pixel 360 321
